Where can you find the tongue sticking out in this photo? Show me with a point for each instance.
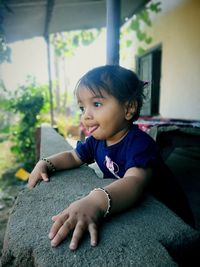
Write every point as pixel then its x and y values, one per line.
pixel 92 129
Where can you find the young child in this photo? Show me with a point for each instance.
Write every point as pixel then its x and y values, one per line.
pixel 110 99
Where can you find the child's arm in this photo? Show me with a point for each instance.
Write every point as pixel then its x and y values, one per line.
pixel 61 161
pixel 125 192
pixel 85 214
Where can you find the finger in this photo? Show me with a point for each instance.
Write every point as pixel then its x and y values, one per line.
pixel 44 176
pixel 93 234
pixel 57 225
pixel 77 235
pixel 56 217
pixel 62 233
pixel 31 183
pixel 62 213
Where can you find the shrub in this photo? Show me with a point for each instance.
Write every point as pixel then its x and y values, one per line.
pixel 28 103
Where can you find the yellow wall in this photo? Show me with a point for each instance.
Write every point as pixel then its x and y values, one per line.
pixel 178 31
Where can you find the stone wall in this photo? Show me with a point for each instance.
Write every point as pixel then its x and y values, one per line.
pixel 147 235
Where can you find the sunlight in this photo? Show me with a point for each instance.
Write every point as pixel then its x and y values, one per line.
pixel 86 58
pixel 29 58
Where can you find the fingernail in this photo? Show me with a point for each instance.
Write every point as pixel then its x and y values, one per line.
pixel 72 246
pixel 53 218
pixel 93 243
pixel 53 243
pixel 50 235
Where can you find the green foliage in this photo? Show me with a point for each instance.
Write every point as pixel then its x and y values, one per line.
pixel 66 43
pixel 137 23
pixel 5 51
pixel 5 115
pixel 155 7
pixel 3 95
pixel 27 103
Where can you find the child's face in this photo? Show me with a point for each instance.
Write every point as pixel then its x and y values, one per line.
pixel 102 115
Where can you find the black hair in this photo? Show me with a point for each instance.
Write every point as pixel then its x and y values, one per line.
pixel 117 81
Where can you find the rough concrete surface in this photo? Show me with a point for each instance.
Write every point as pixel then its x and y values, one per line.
pixel 147 235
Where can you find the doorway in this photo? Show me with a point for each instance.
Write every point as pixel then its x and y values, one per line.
pixel 148 67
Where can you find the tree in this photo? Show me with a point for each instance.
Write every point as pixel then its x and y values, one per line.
pixel 65 45
pixel 137 25
pixel 5 51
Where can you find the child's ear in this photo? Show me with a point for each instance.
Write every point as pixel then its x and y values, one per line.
pixel 130 109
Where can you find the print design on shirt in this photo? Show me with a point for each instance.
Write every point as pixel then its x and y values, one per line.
pixel 112 166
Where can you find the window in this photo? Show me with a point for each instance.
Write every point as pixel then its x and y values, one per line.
pixel 148 67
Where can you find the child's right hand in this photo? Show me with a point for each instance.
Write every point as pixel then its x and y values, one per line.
pixel 38 173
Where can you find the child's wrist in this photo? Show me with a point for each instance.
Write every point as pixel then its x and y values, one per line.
pixel 105 200
pixel 50 166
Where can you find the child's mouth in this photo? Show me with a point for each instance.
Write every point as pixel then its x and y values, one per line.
pixel 92 129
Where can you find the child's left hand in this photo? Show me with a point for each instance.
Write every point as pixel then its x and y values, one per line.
pixel 81 216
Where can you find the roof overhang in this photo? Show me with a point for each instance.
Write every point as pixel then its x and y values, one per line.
pixel 29 19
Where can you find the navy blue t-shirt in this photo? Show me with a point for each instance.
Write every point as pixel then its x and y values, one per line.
pixel 137 149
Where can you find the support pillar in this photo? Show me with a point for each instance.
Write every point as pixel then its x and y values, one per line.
pixel 50 80
pixel 113 8
pixel 49 10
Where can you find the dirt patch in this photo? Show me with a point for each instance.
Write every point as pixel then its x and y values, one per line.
pixel 9 184
pixel 9 189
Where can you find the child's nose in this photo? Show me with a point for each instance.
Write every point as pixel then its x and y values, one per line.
pixel 87 114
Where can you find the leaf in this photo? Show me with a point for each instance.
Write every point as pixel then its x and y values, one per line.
pixel 66 43
pixel 129 43
pixel 141 35
pixel 155 7
pixel 148 40
pixel 135 25
pixel 144 16
pixel 141 51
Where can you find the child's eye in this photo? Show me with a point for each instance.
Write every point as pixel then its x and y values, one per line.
pixel 97 104
pixel 82 109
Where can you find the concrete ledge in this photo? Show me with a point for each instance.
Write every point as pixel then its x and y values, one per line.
pixel 148 235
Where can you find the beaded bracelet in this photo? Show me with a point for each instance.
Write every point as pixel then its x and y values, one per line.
pixel 50 165
pixel 108 198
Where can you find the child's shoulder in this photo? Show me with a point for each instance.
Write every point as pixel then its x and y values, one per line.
pixel 137 133
pixel 140 140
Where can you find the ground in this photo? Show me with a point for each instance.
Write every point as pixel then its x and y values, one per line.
pixel 7 198
pixel 9 185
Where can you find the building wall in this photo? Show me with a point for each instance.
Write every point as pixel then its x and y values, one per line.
pixel 176 28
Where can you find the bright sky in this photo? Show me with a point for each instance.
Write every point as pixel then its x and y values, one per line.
pixel 29 58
